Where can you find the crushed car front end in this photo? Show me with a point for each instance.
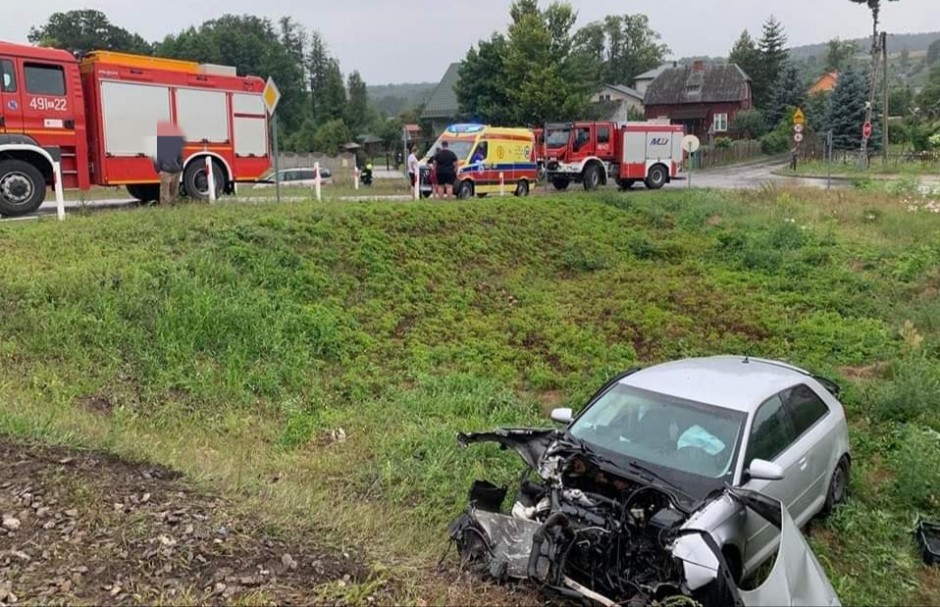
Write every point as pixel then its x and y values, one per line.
pixel 584 527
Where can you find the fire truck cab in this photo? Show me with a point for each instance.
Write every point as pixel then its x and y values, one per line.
pixel 97 117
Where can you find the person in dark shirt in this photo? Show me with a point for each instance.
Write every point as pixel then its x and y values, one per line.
pixel 445 161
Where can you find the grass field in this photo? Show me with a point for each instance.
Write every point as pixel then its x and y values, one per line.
pixel 894 168
pixel 234 342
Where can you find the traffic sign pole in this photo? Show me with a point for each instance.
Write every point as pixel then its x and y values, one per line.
pixel 271 96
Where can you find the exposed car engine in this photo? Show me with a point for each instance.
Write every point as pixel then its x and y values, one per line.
pixel 580 530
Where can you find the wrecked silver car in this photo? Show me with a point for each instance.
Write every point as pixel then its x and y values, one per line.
pixel 609 511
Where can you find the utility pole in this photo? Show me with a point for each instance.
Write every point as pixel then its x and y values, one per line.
pixel 885 113
pixel 873 80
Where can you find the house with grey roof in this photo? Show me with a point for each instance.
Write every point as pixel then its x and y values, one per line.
pixel 441 108
pixel 642 82
pixel 621 94
pixel 704 97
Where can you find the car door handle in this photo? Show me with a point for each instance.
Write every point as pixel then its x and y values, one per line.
pixel 802 464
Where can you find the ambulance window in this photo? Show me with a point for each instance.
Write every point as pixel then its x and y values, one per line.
pixel 480 150
pixel 44 79
pixel 8 81
pixel 603 134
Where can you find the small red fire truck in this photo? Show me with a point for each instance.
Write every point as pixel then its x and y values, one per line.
pixel 590 153
pixel 97 116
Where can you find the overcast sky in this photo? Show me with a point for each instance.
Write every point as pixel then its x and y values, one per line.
pixel 417 43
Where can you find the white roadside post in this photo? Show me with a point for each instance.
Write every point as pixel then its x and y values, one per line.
pixel 417 187
pixel 502 185
pixel 691 144
pixel 316 180
pixel 59 195
pixel 210 179
pixel 355 176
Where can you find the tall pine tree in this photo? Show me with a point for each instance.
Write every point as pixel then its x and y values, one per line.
pixel 788 91
pixel 358 108
pixel 773 56
pixel 745 55
pixel 847 112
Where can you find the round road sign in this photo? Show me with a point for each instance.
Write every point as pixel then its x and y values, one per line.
pixel 866 130
pixel 798 137
pixel 797 128
pixel 690 143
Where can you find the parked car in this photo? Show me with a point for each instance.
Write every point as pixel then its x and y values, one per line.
pixel 670 481
pixel 296 177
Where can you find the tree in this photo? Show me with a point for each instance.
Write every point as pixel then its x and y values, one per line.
pixel 817 111
pixel 480 89
pixel 537 72
pixel 626 45
pixel 357 110
pixel 317 67
pixel 901 100
pixel 847 111
pixel 773 56
pixel 839 54
pixel 87 30
pixel 749 124
pixel 933 53
pixel 331 136
pixel 253 46
pixel 332 99
pixel 746 56
pixel 905 58
pixel 929 99
pixel 788 92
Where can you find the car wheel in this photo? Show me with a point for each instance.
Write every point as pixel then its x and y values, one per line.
pixel 592 177
pixel 465 190
pixel 560 184
pixel 657 177
pixel 522 189
pixel 196 180
pixel 838 486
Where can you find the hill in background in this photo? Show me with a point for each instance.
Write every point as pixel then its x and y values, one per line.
pixel 393 99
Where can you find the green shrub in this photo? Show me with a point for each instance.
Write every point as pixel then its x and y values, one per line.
pixel 723 143
pixel 774 143
pixel 917 473
pixel 909 394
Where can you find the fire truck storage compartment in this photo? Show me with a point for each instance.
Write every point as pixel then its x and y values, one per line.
pixel 202 115
pixel 131 112
pixel 250 125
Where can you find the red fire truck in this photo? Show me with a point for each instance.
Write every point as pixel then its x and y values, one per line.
pixel 590 153
pixel 97 116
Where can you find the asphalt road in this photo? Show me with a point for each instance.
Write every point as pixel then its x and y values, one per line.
pixel 745 176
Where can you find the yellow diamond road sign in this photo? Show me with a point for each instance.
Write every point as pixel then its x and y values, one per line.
pixel 271 95
pixel 798 117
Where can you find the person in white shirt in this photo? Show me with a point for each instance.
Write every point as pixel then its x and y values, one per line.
pixel 413 165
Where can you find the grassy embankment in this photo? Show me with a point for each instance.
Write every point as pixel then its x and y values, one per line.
pixel 233 343
pixel 876 170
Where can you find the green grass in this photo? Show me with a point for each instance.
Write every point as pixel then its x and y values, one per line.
pixel 877 168
pixel 233 341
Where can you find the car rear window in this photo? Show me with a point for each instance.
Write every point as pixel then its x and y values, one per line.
pixel 806 408
pixel 771 432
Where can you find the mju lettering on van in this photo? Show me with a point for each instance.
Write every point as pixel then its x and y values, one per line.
pixel 659 141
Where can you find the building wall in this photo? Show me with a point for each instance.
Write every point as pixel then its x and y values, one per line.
pixel 617 96
pixel 699 127
pixel 641 86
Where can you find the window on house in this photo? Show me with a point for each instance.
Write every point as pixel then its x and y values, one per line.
pixel 44 79
pixel 720 123
pixel 7 77
pixel 693 88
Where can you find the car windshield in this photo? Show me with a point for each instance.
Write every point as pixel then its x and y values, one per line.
pixel 557 138
pixel 684 441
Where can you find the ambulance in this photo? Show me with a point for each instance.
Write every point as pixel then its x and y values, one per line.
pixel 491 160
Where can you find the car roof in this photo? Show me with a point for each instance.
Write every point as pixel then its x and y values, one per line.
pixel 733 382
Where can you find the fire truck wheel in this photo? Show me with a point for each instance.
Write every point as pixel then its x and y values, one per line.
pixel 196 182
pixel 592 177
pixel 22 188
pixel 560 184
pixel 522 189
pixel 656 178
pixel 144 192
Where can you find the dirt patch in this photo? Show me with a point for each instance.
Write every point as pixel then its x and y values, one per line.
pixel 714 220
pixel 929 587
pixel 865 372
pixel 551 399
pixel 100 405
pixel 84 528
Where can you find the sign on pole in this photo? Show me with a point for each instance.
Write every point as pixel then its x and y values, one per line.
pixel 799 117
pixel 866 130
pixel 797 128
pixel 798 137
pixel 271 96
pixel 691 144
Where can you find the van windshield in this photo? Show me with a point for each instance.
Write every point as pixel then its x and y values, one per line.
pixel 460 147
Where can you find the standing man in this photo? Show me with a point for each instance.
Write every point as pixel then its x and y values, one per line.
pixel 169 161
pixel 413 165
pixel 445 161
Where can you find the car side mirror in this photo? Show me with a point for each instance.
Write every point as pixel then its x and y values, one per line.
pixel 762 470
pixel 563 415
